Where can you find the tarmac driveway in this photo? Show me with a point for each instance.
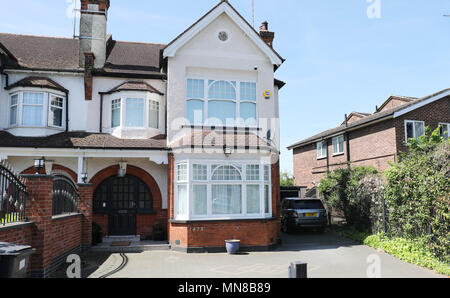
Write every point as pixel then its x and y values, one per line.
pixel 327 255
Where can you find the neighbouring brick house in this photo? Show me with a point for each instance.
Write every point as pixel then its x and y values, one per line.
pixel 184 134
pixel 370 139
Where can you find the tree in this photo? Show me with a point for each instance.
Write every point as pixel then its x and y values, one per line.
pixel 286 179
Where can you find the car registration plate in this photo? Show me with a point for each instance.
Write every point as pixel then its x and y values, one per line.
pixel 311 214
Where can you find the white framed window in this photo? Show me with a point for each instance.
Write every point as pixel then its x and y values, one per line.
pixel 153 114
pixel 56 111
pixel 30 108
pixel 33 109
pixel 414 130
pixel 134 112
pixel 445 129
pixel 221 102
pixel 116 111
pixel 322 150
pixel 338 145
pixel 218 191
pixel 14 109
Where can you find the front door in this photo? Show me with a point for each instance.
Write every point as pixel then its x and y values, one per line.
pixel 121 198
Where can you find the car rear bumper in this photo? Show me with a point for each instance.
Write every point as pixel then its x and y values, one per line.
pixel 311 223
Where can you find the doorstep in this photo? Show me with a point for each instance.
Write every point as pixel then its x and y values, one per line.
pixel 136 245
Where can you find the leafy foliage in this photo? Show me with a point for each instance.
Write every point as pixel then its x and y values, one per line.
pixel 286 179
pixel 417 193
pixel 350 190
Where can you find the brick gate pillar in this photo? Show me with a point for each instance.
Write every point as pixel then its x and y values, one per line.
pixel 39 211
pixel 86 192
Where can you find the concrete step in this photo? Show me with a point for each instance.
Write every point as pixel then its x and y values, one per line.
pixel 134 247
pixel 112 239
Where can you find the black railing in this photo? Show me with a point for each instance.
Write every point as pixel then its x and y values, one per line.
pixel 13 196
pixel 65 196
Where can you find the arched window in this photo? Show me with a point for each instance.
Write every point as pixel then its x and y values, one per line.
pixel 127 193
pixel 226 173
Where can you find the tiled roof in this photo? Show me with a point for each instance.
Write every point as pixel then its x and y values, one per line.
pixel 82 140
pixel 364 121
pixel 134 86
pixel 61 54
pixel 37 82
pixel 218 138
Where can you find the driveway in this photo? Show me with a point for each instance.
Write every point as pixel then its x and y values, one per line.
pixel 327 255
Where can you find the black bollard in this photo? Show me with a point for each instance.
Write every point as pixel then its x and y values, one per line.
pixel 298 270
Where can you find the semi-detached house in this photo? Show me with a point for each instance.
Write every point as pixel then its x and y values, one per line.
pixel 185 134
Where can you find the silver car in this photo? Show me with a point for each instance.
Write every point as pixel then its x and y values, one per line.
pixel 303 213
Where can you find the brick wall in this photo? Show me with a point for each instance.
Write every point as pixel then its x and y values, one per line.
pixel 16 233
pixel 433 114
pixel 212 234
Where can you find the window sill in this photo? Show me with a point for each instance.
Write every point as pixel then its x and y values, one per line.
pixel 175 221
pixel 321 158
pixel 338 154
pixel 64 216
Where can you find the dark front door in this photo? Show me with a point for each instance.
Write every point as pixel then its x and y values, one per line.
pixel 122 198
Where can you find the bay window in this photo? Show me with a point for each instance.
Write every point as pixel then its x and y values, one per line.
pixel 221 103
pixel 135 112
pixel 37 109
pixel 210 190
pixel 414 130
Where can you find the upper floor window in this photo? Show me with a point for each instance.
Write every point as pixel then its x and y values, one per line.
pixel 135 113
pixel 445 128
pixel 414 129
pixel 221 103
pixel 321 150
pixel 37 109
pixel 338 145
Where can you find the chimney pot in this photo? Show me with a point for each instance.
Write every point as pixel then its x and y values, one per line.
pixel 266 35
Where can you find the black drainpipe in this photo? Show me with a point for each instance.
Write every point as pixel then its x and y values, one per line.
pixel 67 110
pixel 6 77
pixel 347 139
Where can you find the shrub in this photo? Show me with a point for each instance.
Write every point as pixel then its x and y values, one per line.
pixel 417 193
pixel 351 191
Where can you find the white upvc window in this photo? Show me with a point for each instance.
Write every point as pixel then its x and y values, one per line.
pixel 14 109
pixel 116 111
pixel 414 130
pixel 221 102
pixel 153 114
pixel 135 112
pixel 338 145
pixel 322 150
pixel 33 109
pixel 218 191
pixel 445 129
pixel 56 111
pixel 37 109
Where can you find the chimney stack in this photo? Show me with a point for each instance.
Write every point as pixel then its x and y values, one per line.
pixel 93 34
pixel 266 35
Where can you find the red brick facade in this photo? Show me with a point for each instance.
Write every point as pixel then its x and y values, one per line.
pixel 211 235
pixel 374 145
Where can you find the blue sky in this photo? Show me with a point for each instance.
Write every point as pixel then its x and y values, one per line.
pixel 338 59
